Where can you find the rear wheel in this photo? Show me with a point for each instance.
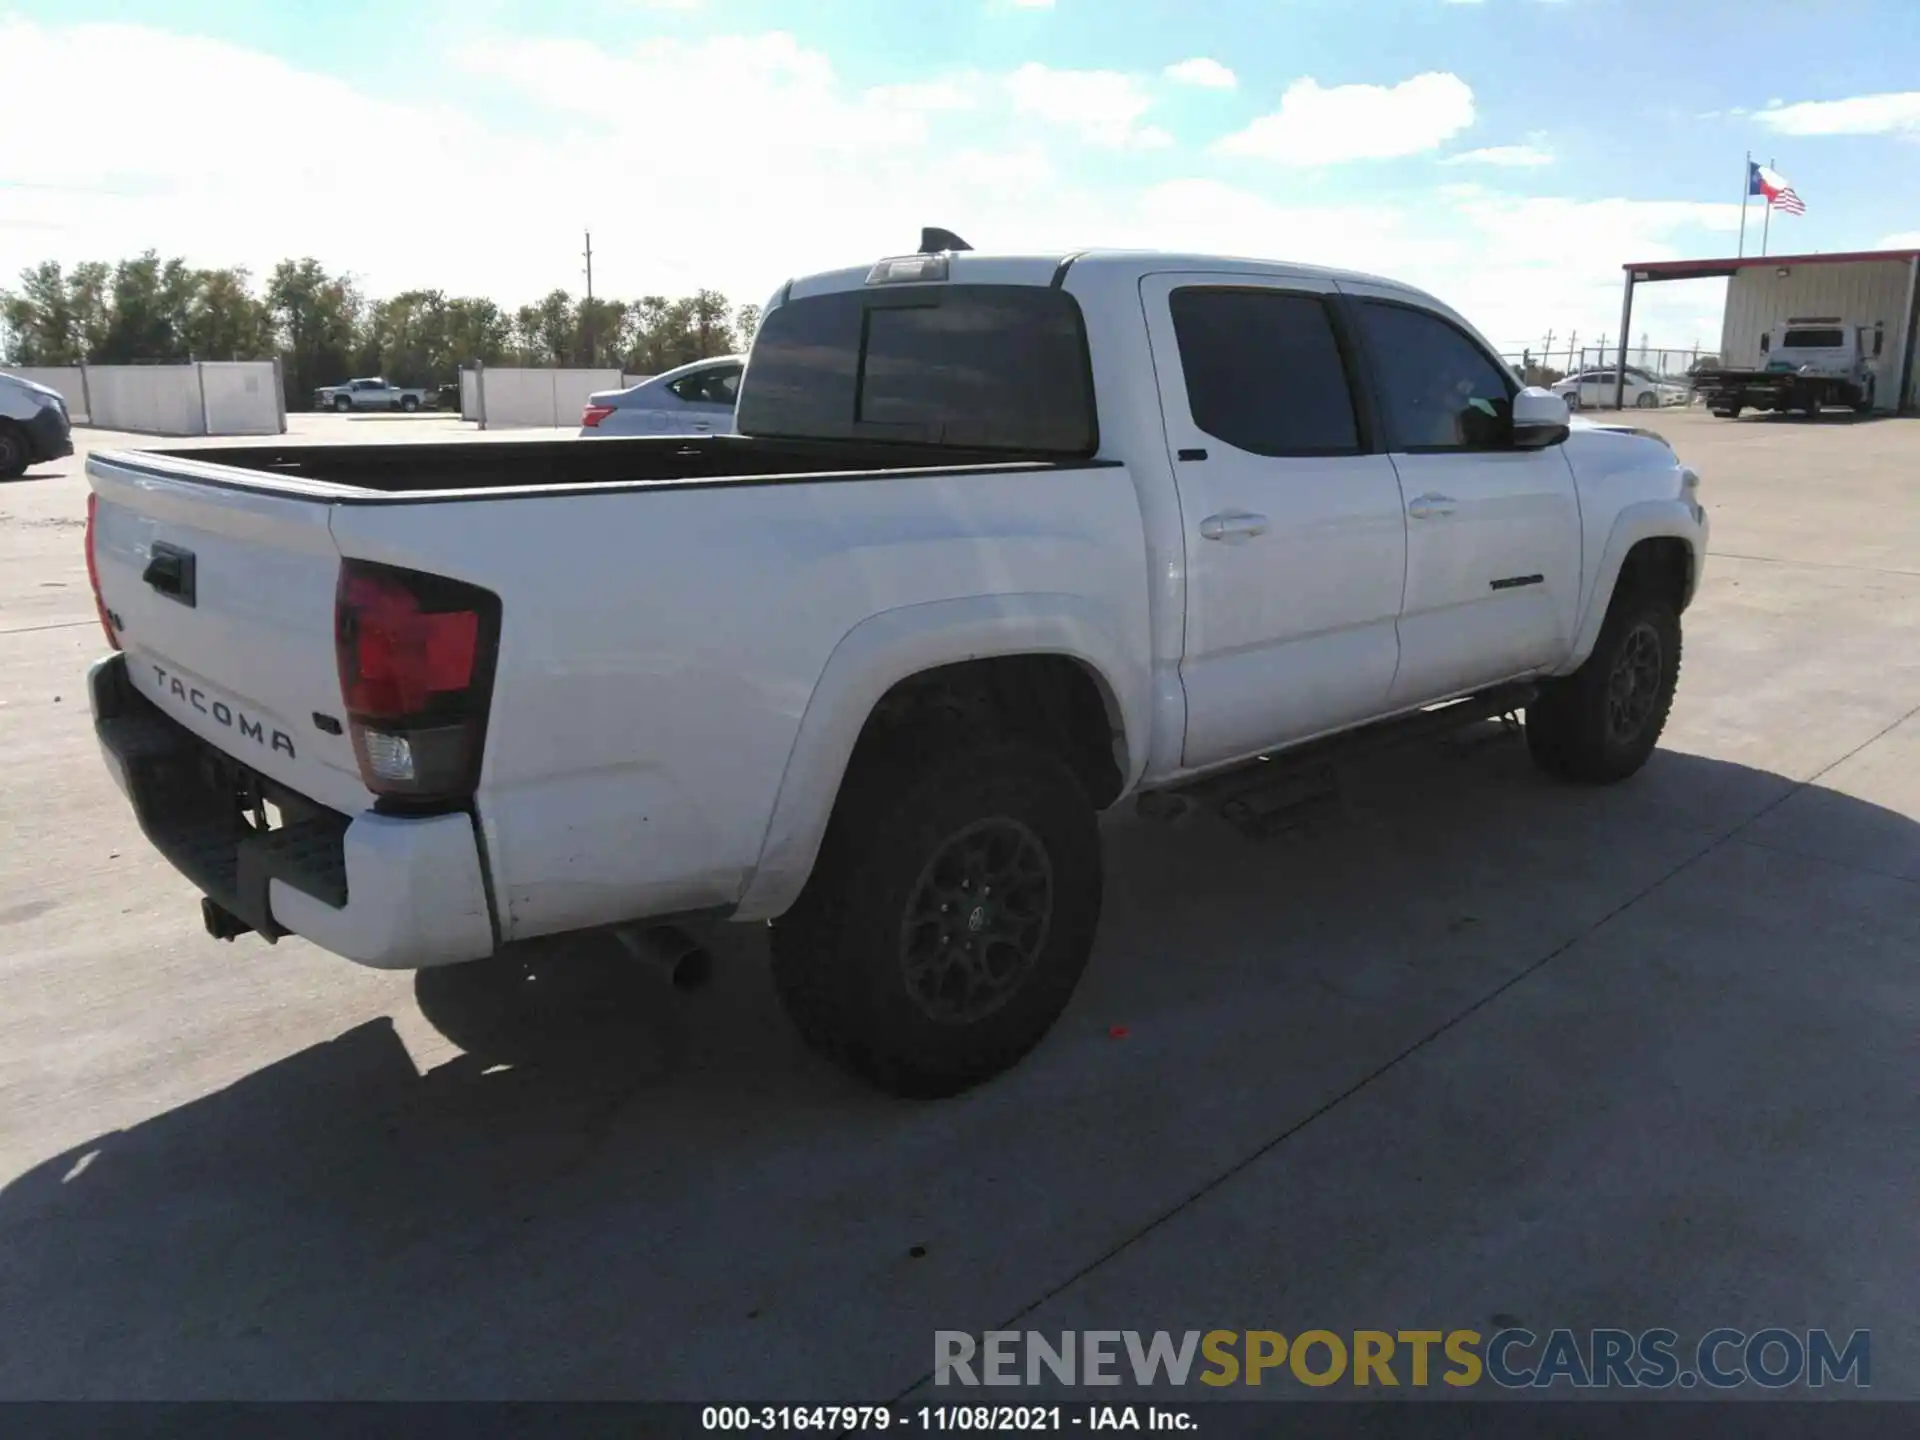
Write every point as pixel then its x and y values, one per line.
pixel 1600 724
pixel 409 403
pixel 14 451
pixel 949 915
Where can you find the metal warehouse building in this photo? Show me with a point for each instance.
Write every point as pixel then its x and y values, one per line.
pixel 1875 288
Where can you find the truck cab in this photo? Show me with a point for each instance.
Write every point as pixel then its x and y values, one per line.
pixel 1824 347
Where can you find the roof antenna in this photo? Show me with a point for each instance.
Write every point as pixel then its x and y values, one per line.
pixel 933 240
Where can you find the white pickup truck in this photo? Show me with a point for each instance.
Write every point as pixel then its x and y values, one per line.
pixel 1002 542
pixel 370 394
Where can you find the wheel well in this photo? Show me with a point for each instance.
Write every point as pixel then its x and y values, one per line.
pixel 1663 565
pixel 1051 699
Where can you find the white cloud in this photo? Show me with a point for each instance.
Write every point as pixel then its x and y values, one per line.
pixel 1103 107
pixel 1508 156
pixel 1207 74
pixel 798 171
pixel 1896 112
pixel 1901 240
pixel 1325 126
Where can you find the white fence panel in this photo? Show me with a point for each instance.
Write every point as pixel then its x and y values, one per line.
pixel 69 380
pixel 242 397
pixel 518 398
pixel 469 394
pixel 156 399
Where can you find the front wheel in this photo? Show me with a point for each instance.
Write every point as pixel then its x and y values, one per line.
pixel 1863 401
pixel 14 451
pixel 1600 724
pixel 949 915
pixel 1646 400
pixel 342 404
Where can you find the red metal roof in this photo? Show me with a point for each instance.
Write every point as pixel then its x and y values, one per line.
pixel 1700 269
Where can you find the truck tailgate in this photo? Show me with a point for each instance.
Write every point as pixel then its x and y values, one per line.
pixel 223 600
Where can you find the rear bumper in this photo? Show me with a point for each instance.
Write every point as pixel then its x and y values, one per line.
pixel 396 893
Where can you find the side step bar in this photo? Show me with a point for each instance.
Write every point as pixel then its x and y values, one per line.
pixel 1276 791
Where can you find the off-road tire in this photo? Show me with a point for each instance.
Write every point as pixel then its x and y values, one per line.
pixel 1569 730
pixel 839 961
pixel 15 453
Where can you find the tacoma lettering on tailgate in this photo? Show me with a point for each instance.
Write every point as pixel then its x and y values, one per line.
pixel 223 713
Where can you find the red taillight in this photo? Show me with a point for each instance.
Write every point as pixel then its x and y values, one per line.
pixel 93 574
pixel 416 655
pixel 594 414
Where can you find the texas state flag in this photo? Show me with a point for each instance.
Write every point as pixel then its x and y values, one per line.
pixel 1771 183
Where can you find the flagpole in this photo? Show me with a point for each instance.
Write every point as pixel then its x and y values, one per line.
pixel 1746 189
pixel 1767 224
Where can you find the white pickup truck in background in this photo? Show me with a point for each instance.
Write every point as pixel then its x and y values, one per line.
pixel 370 394
pixel 1003 541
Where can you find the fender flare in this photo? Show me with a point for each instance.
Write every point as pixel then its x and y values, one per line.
pixel 1643 520
pixel 895 645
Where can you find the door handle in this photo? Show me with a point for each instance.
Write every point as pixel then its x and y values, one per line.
pixel 1232 528
pixel 170 571
pixel 1430 506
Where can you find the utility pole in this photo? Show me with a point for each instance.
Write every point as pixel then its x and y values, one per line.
pixel 586 311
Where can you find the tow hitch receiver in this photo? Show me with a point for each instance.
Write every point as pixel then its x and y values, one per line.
pixel 222 923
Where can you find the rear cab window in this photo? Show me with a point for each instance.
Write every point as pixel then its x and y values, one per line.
pixel 1814 339
pixel 1264 370
pixel 986 367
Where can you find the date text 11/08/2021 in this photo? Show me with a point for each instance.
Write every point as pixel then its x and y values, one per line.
pixel 979 1419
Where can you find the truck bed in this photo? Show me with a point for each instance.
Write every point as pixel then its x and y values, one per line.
pixel 359 473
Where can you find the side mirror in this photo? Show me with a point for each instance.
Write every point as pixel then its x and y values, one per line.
pixel 1879 337
pixel 1540 419
pixel 1766 343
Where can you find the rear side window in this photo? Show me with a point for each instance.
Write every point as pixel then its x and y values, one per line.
pixel 992 367
pixel 717 386
pixel 1438 389
pixel 1814 340
pixel 1264 371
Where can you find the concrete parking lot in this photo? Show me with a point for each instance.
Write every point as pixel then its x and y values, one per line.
pixel 1476 1050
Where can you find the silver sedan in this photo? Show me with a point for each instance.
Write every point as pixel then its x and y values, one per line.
pixel 694 399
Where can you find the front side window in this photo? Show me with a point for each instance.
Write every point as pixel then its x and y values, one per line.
pixel 1438 389
pixel 1264 371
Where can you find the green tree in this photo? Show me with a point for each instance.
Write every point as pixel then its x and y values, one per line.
pixel 318 316
pixel 151 301
pixel 746 325
pixel 41 326
pixel 226 321
pixel 90 293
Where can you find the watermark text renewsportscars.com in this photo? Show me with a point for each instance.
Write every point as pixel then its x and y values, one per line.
pixel 1770 1358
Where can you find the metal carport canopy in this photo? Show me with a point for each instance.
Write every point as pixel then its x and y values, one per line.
pixel 1649 271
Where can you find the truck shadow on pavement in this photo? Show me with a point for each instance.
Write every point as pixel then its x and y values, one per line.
pixel 647 1194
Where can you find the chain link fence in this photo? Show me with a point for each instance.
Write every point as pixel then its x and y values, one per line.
pixel 1657 377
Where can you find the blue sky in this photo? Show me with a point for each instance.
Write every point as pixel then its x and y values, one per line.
pixel 1508 154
